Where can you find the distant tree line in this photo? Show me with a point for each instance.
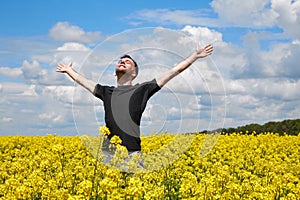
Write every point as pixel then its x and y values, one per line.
pixel 289 127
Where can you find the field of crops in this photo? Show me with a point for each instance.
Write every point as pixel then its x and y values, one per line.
pixel 235 166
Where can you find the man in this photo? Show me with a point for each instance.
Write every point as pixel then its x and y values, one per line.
pixel 125 104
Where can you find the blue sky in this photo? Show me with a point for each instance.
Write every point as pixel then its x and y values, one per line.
pixel 28 18
pixel 253 75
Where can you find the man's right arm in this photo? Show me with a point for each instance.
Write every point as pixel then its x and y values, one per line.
pixel 78 78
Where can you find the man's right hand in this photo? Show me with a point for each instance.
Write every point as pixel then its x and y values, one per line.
pixel 63 68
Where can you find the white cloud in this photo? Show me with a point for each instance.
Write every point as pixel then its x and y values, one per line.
pixel 255 13
pixel 30 91
pixel 31 71
pixel 27 111
pixel 7 119
pixel 279 89
pixel 70 94
pixel 53 117
pixel 290 62
pixel 10 72
pixel 261 13
pixel 288 16
pixel 13 88
pixel 235 87
pixel 203 34
pixel 73 46
pixel 167 16
pixel 279 60
pixel 262 100
pixel 64 31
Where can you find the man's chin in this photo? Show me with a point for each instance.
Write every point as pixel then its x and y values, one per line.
pixel 120 72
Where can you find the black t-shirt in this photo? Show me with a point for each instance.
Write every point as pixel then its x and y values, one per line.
pixel 124 106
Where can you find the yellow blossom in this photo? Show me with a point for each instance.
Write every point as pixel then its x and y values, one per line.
pixel 250 166
pixel 115 140
pixel 103 130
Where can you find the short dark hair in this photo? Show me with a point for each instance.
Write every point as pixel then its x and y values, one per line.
pixel 135 64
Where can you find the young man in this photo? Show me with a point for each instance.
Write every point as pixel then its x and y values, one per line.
pixel 125 104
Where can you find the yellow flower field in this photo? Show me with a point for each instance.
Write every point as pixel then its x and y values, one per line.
pixel 256 166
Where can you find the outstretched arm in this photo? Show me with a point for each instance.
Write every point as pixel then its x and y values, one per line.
pixel 184 64
pixel 78 78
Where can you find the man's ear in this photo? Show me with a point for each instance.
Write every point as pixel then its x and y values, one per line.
pixel 133 74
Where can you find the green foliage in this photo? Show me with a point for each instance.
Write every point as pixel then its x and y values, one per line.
pixel 289 127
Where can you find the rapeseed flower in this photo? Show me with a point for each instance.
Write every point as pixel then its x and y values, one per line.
pixel 103 130
pixel 252 166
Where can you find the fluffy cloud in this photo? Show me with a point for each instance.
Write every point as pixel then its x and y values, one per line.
pixel 54 117
pixel 257 14
pixel 248 14
pixel 31 71
pixel 279 60
pixel 290 61
pixel 13 88
pixel 278 89
pixel 203 34
pixel 6 119
pixel 167 16
pixel 288 16
pixel 10 72
pixel 261 13
pixel 63 31
pixel 72 46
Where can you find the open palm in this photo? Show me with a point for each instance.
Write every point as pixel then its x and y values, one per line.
pixel 204 51
pixel 63 68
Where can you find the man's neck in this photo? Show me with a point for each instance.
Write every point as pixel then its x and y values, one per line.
pixel 122 81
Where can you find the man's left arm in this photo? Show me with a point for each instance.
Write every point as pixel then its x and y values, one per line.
pixel 184 64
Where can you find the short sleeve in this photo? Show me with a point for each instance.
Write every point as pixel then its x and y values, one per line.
pixel 99 91
pixel 153 87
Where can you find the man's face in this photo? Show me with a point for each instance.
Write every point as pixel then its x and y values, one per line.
pixel 125 65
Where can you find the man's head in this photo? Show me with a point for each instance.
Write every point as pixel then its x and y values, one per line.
pixel 127 65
